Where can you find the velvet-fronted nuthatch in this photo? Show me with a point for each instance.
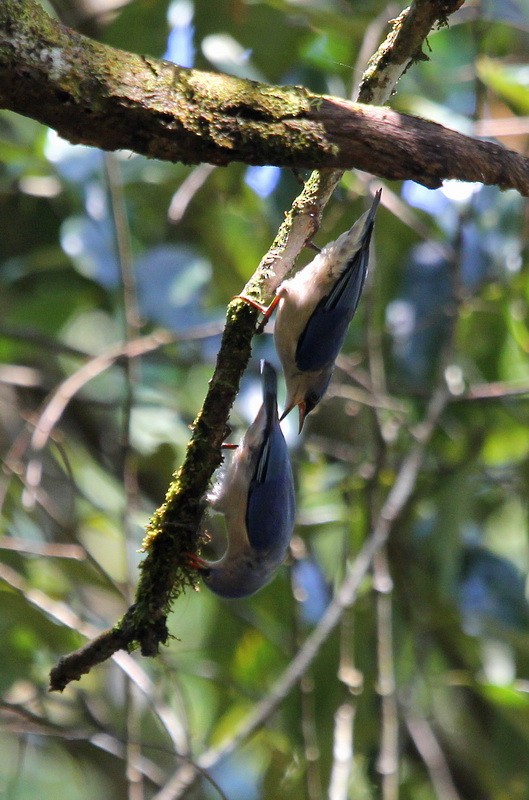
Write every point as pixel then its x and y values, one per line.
pixel 315 308
pixel 256 496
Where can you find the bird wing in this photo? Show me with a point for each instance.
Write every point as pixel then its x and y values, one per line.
pixel 271 506
pixel 324 333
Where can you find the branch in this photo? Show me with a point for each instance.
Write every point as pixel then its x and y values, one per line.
pixel 173 528
pixel 98 95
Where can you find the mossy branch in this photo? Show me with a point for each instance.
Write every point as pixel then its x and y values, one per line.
pixel 173 529
pixel 95 94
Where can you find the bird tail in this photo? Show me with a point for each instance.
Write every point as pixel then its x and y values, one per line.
pixel 370 217
pixel 269 379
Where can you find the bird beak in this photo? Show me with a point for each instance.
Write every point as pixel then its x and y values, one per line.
pixel 302 408
pixel 286 412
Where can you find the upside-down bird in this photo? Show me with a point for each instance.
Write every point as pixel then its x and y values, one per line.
pixel 315 308
pixel 256 496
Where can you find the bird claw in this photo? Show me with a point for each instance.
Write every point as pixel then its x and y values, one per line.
pixel 254 303
pixel 194 561
pixel 266 311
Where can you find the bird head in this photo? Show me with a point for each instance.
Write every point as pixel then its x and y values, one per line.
pixel 239 576
pixel 305 391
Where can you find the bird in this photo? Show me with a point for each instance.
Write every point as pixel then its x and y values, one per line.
pixel 256 496
pixel 314 309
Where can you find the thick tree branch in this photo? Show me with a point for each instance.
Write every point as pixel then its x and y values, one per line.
pixel 97 95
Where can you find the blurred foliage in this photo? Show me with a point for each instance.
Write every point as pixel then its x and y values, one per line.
pixel 448 299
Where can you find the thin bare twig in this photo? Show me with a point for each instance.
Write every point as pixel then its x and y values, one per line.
pixel 434 759
pixel 387 762
pixel 131 331
pixel 187 190
pixel 343 753
pixel 73 551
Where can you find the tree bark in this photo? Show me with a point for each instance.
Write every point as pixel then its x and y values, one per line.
pixel 98 95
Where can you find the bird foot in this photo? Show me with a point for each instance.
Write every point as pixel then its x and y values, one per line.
pixel 194 561
pixel 254 303
pixel 266 311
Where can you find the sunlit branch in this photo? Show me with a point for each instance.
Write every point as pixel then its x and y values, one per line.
pixel 164 111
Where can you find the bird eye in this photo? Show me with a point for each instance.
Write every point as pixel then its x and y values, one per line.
pixel 311 401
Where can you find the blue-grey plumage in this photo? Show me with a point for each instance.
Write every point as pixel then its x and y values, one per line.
pixel 256 496
pixel 315 309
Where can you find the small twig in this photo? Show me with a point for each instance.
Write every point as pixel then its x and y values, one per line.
pixel 187 190
pixel 498 390
pixel 343 753
pixel 73 551
pixel 434 759
pixel 131 331
pixel 387 762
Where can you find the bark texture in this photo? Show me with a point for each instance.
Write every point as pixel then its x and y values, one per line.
pixel 98 95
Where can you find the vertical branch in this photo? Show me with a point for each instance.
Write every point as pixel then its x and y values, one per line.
pixel 434 759
pixel 342 760
pixel 308 711
pixel 310 738
pixel 132 329
pixel 387 764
